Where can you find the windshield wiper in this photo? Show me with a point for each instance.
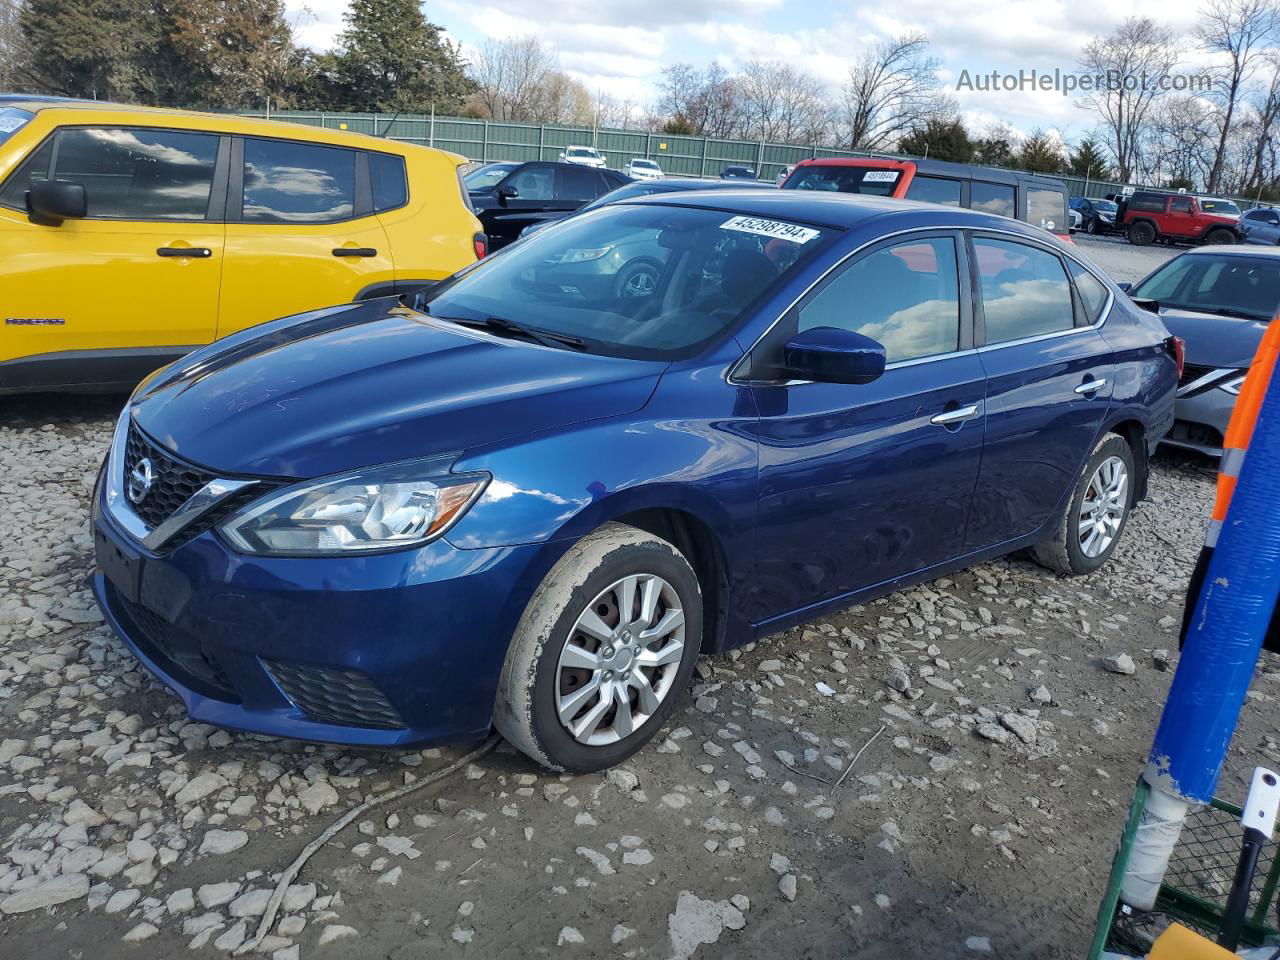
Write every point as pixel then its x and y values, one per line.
pixel 502 325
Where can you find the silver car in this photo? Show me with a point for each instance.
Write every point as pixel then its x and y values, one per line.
pixel 1262 226
pixel 1219 300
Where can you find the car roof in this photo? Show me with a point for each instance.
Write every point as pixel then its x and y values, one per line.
pixel 938 168
pixel 1234 250
pixel 843 211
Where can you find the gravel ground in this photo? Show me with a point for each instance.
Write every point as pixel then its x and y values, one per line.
pixel 999 749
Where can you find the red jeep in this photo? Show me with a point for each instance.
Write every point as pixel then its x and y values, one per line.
pixel 1146 216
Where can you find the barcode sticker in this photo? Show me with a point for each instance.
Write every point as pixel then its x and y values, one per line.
pixel 880 176
pixel 776 229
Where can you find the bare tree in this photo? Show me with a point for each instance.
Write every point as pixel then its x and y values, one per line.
pixel 1264 124
pixel 1139 47
pixel 12 46
pixel 779 103
pixel 1177 141
pixel 512 77
pixel 1237 30
pixel 891 90
pixel 701 101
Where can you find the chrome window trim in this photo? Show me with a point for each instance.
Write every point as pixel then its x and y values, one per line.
pixel 733 380
pixel 208 496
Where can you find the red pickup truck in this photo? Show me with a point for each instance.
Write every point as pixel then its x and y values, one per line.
pixel 1147 216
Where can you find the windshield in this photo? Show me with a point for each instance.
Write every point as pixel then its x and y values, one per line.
pixel 645 281
pixel 491 174
pixel 1224 208
pixel 647 164
pixel 11 121
pixel 1104 206
pixel 835 179
pixel 1233 285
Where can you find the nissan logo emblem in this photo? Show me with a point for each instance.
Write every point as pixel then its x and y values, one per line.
pixel 140 478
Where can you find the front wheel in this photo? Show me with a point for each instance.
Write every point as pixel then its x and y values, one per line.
pixel 1220 236
pixel 1092 227
pixel 1096 514
pixel 602 653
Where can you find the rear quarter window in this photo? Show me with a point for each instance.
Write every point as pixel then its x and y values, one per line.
pixel 935 190
pixel 1047 208
pixel 1147 203
pixel 390 186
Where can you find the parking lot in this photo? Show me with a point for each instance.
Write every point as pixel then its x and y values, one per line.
pixel 941 773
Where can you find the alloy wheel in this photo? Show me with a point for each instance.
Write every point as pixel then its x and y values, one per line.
pixel 1102 510
pixel 620 660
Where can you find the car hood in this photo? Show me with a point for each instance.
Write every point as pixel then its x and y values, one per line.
pixel 1212 340
pixel 372 383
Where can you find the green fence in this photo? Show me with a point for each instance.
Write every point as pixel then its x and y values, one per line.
pixel 484 141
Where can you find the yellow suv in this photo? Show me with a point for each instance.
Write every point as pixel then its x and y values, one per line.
pixel 130 235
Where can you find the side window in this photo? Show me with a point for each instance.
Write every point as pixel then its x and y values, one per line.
pixel 1147 202
pixel 1092 291
pixel 935 190
pixel 994 198
pixel 390 187
pixel 35 167
pixel 533 182
pixel 1025 291
pixel 906 297
pixel 289 182
pixel 138 173
pixel 1179 204
pixel 1046 208
pixel 578 183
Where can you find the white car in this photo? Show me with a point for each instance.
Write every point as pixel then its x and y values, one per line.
pixel 586 156
pixel 784 173
pixel 1076 218
pixel 640 169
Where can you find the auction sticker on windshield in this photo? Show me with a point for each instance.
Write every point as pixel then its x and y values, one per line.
pixel 770 228
pixel 880 176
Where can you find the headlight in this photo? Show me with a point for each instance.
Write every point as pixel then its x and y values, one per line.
pixel 1233 385
pixel 581 255
pixel 399 505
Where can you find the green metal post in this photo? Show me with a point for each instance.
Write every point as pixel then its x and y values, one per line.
pixel 1111 899
pixel 702 168
pixel 484 144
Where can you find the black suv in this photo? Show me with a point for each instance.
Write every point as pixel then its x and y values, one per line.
pixel 507 197
pixel 1096 216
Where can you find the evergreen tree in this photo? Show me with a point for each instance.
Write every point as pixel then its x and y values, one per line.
pixel 392 58
pixel 939 140
pixel 993 152
pixel 1039 154
pixel 1087 161
pixel 229 53
pixel 96 49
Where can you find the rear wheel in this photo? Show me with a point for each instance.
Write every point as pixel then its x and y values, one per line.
pixel 1096 514
pixel 603 651
pixel 1141 233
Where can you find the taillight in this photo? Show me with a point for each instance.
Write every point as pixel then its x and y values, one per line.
pixel 480 243
pixel 1177 348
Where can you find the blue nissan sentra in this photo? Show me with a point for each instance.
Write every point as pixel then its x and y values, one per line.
pixel 515 504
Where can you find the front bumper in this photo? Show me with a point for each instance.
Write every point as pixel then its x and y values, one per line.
pixel 1200 422
pixel 395 649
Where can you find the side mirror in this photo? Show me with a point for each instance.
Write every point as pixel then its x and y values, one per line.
pixel 1126 287
pixel 507 192
pixel 833 355
pixel 49 202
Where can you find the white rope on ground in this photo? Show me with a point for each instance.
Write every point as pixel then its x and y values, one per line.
pixel 860 752
pixel 291 872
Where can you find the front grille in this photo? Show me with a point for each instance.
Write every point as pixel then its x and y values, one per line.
pixel 178 650
pixel 344 697
pixel 173 483
pixel 1192 372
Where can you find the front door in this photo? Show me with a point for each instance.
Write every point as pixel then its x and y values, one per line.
pixel 1049 379
pixel 301 232
pixel 538 192
pixel 861 484
pixel 1180 221
pixel 133 285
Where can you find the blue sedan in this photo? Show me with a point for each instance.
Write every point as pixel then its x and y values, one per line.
pixel 510 504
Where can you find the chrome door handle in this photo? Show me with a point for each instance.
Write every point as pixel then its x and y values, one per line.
pixel 958 415
pixel 1091 386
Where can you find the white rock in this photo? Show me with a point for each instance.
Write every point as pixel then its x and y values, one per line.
pixel 1121 663
pixel 121 900
pixel 50 893
pixel 223 841
pixel 787 886
pixel 216 894
pixel 569 935
pixel 317 796
pixel 141 932
pixel 251 904
pixel 336 931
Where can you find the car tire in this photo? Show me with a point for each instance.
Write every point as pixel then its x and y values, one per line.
pixel 636 280
pixel 1103 498
pixel 1141 233
pixel 1220 236
pixel 1091 227
pixel 561 648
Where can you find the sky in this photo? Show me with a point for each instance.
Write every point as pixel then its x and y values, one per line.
pixel 621 46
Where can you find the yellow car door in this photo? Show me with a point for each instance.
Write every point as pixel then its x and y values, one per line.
pixel 107 297
pixel 301 233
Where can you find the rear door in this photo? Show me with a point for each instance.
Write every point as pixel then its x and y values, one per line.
pixel 860 484
pixel 301 231
pixel 1049 380
pixel 135 283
